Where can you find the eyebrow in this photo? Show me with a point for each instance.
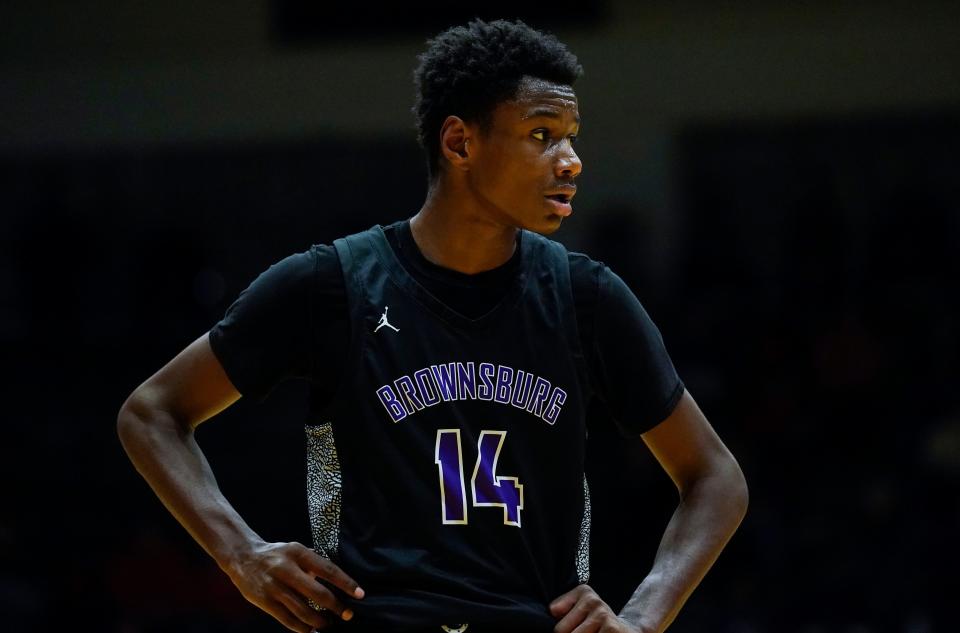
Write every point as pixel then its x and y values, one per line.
pixel 549 113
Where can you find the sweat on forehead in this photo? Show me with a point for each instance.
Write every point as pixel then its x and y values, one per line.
pixel 531 88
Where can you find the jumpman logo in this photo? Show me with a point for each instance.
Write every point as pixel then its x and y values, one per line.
pixel 384 322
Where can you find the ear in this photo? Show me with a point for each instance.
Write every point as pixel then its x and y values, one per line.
pixel 454 142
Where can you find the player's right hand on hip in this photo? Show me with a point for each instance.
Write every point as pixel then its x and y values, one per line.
pixel 284 578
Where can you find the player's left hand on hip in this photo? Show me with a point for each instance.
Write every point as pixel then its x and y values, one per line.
pixel 582 610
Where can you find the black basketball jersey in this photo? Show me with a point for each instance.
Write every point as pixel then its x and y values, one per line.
pixel 447 475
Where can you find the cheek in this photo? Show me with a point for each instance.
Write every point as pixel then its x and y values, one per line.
pixel 500 174
pixel 512 174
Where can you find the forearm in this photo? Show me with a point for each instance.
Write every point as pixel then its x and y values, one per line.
pixel 166 454
pixel 708 515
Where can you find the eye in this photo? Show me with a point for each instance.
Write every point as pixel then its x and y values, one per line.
pixel 540 135
pixel 573 139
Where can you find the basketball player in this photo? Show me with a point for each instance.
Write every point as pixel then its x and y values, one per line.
pixel 451 357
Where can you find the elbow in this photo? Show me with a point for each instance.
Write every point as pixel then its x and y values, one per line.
pixel 131 419
pixel 141 417
pixel 735 483
pixel 724 482
pixel 743 493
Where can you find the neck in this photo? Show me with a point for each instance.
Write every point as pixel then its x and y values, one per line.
pixel 452 231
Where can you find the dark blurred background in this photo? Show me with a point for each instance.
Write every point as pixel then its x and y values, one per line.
pixel 780 185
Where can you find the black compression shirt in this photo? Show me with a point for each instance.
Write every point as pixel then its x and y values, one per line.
pixel 292 321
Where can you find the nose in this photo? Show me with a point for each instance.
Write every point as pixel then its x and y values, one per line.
pixel 568 164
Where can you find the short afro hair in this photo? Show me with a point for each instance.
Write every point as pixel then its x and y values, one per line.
pixel 468 70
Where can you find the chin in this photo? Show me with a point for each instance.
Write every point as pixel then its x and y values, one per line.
pixel 542 223
pixel 548 225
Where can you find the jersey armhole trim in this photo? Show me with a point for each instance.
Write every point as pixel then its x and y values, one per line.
pixel 344 252
pixel 593 351
pixel 571 324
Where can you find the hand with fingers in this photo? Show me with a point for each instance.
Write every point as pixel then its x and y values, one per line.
pixel 581 610
pixel 284 578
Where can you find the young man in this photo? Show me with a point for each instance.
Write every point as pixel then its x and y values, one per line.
pixel 451 357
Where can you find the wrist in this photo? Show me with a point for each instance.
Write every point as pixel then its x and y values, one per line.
pixel 640 625
pixel 644 609
pixel 235 557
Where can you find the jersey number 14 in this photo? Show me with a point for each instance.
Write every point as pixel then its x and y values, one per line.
pixel 486 487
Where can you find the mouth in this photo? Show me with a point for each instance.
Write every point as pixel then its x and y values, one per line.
pixel 560 202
